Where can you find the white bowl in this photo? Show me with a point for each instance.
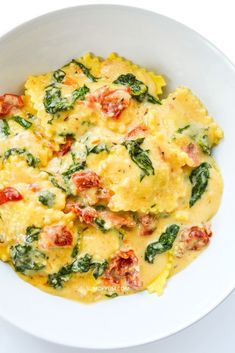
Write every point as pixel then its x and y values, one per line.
pixel 185 58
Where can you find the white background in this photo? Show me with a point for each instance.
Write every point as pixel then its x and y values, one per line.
pixel 214 20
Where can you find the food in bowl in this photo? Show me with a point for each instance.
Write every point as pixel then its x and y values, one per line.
pixel 105 189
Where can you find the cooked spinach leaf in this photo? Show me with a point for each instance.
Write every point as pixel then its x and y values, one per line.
pixel 32 233
pixel 99 268
pixel 139 91
pixel 53 100
pixel 164 243
pixel 4 128
pixel 182 129
pixel 75 251
pixel 153 100
pixel 47 198
pixel 56 184
pixel 85 70
pixel 99 207
pixel 80 93
pixel 113 295
pixel 21 121
pixel 199 178
pixel 138 88
pixel 204 143
pixel 67 134
pixel 97 148
pixel 73 168
pixel 80 264
pixel 57 279
pixel 59 75
pixel 76 247
pixel 139 157
pixel 25 258
pixel 30 159
pixel 101 224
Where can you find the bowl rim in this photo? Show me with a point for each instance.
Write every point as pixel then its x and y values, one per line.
pixel 226 61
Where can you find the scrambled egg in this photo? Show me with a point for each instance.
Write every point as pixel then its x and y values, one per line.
pixel 105 189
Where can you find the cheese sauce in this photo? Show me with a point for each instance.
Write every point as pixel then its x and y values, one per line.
pixel 105 189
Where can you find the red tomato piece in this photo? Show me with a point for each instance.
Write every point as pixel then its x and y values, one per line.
pixel 137 131
pixel 53 236
pixel 193 153
pixel 112 102
pixel 118 220
pixel 9 194
pixel 9 101
pixel 196 237
pixel 85 180
pixel 65 147
pixel 148 224
pixel 86 214
pixel 124 265
pixel 193 238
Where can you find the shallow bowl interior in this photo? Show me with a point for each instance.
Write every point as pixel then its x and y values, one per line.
pixel 185 58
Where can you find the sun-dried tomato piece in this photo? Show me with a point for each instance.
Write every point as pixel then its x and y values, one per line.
pixel 86 214
pixel 118 220
pixel 65 147
pixel 112 102
pixel 193 238
pixel 9 101
pixel 148 224
pixel 85 180
pixel 193 153
pixel 137 131
pixel 9 194
pixel 53 236
pixel 123 266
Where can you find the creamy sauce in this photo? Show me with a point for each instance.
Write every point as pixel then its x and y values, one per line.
pixel 143 186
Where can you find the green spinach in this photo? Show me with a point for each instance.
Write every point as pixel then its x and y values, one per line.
pixel 113 295
pixel 30 159
pixel 101 224
pixel 4 128
pixel 80 264
pixel 99 268
pixel 25 258
pixel 75 251
pixel 73 168
pixel 139 157
pixel 85 70
pixel 99 207
pixel 57 279
pixel 32 233
pixel 53 100
pixel 23 122
pixel 182 129
pixel 164 243
pixel 97 148
pixel 59 75
pixel 204 143
pixel 56 184
pixel 153 100
pixel 139 91
pixel 47 198
pixel 199 178
pixel 80 93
